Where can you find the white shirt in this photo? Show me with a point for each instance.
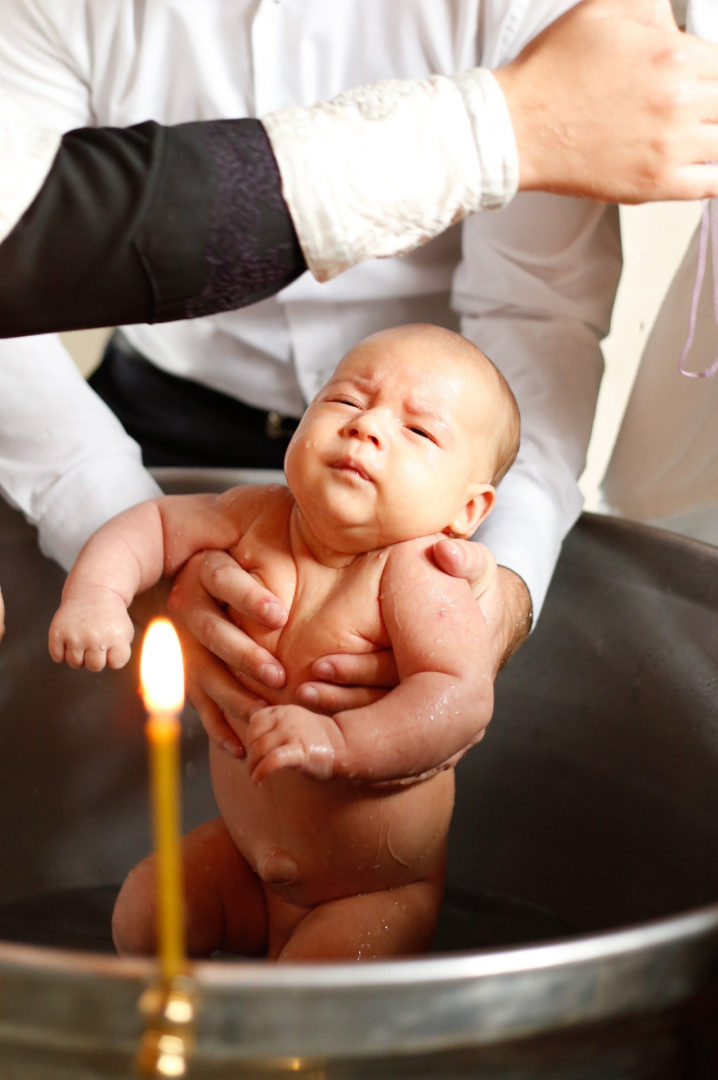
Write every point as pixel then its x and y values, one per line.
pixel 535 287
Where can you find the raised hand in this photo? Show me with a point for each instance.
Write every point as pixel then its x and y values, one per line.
pixel 612 103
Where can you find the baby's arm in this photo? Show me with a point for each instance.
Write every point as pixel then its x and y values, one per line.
pixel 440 708
pixel 127 556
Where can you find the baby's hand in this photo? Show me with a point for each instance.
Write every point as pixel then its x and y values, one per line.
pixel 290 737
pixel 92 631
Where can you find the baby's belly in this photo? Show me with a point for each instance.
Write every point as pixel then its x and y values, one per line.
pixel 314 841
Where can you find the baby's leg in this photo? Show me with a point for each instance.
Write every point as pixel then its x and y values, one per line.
pixel 371 926
pixel 225 905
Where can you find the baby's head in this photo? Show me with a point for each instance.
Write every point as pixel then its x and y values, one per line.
pixel 409 437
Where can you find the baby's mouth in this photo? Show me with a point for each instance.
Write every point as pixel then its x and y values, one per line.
pixel 352 468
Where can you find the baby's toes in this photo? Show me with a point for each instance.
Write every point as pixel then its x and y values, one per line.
pixel 95 658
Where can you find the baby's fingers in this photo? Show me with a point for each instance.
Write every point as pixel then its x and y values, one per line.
pixel 290 756
pixel 56 645
pixel 117 656
pixel 75 655
pixel 96 658
pixel 262 721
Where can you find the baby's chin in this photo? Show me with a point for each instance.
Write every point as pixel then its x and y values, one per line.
pixel 349 521
pixel 349 535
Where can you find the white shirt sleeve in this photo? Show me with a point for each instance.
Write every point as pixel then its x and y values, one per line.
pixel 27 152
pixel 535 291
pixel 45 61
pixel 65 460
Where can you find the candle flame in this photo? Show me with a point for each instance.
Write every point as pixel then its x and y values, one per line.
pixel 161 669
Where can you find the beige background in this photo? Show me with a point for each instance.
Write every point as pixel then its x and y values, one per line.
pixel 655 238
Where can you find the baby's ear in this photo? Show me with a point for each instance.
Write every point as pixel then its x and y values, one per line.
pixel 470 516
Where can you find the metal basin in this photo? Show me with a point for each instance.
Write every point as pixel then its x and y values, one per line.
pixel 579 939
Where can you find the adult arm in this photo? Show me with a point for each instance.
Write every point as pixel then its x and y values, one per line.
pixel 601 91
pixel 381 169
pixel 130 227
pixel 562 257
pixel 633 121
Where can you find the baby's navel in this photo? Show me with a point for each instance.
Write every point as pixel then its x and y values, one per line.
pixel 277 868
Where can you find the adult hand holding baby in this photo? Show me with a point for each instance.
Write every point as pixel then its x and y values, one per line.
pixel 214 647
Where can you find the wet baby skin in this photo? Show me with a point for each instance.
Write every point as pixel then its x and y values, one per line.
pixel 332 838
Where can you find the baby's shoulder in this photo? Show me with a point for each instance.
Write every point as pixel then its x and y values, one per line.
pixel 255 504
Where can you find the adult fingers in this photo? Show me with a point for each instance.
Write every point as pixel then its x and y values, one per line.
pixel 357 669
pixel 698 181
pixel 328 699
pixel 205 621
pixel 213 678
pixel 468 560
pixel 227 582
pixel 214 721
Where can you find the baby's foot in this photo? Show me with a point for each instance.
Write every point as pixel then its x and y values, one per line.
pixel 92 631
pixel 290 737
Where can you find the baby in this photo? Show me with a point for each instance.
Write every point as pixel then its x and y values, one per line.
pixel 332 839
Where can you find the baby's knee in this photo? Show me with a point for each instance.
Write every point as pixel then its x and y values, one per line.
pixel 134 920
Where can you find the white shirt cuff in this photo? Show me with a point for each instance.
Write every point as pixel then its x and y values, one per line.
pixel 524 510
pixel 382 169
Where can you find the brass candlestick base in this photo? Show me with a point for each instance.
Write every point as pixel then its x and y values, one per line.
pixel 169 1010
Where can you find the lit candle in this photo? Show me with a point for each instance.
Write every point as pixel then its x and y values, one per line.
pixel 162 677
pixel 168 1008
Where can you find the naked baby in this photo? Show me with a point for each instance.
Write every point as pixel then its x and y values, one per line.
pixel 332 837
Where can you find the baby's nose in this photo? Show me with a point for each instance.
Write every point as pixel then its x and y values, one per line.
pixel 370 426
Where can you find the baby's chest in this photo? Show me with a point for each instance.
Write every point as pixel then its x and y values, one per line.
pixel 345 617
pixel 329 610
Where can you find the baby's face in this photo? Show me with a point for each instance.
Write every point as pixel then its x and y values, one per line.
pixel 398 444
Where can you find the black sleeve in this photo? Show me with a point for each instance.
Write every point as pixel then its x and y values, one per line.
pixel 149 224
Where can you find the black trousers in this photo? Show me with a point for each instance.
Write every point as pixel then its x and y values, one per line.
pixel 179 422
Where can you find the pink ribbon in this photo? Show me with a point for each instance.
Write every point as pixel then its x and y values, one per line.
pixel 709 230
